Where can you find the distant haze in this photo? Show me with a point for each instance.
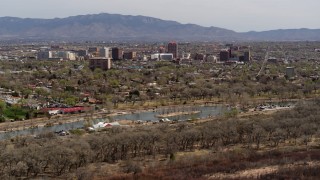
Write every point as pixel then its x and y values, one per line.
pixel 238 15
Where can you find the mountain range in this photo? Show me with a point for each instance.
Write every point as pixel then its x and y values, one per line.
pixel 135 28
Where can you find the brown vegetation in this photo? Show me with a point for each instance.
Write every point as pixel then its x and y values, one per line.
pixel 170 151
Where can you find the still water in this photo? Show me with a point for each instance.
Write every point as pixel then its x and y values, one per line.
pixel 204 112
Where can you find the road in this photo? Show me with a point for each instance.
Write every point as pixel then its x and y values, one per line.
pixel 264 63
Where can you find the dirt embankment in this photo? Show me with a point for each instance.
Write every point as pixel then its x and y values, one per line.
pixel 256 172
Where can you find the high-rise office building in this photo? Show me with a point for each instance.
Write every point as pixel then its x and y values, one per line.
pixel 247 56
pixel 173 48
pixel 224 55
pixel 117 54
pixel 104 52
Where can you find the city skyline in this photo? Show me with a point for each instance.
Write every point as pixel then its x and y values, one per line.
pixel 240 16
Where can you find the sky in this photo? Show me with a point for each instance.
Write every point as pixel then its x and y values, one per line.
pixel 237 15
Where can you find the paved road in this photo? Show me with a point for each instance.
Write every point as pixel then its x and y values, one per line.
pixel 264 63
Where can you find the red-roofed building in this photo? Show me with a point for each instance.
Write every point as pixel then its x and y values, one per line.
pixel 71 110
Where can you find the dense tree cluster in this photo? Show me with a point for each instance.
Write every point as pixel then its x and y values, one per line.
pixel 48 155
pixel 15 112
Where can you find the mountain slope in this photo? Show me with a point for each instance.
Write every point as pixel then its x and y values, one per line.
pixel 284 35
pixel 126 28
pixel 108 26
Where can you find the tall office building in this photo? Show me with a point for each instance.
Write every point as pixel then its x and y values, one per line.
pixel 224 55
pixel 173 48
pixel 117 54
pixel 247 56
pixel 104 52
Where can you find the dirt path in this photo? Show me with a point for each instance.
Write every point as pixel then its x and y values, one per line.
pixel 249 173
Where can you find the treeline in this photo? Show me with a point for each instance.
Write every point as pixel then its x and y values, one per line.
pixel 50 156
pixel 14 112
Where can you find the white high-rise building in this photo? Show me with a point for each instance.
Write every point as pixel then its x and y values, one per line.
pixel 104 52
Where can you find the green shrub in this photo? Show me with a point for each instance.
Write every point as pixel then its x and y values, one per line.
pixel 78 132
pixel 232 113
pixel 15 112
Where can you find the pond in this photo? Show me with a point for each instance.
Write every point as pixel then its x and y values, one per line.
pixel 202 112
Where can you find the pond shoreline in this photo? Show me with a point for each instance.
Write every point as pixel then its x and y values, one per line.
pixel 177 114
pixel 69 120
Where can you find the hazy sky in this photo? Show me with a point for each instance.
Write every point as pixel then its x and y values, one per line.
pixel 238 15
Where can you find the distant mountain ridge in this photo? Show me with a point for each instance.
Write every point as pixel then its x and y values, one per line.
pixel 302 34
pixel 126 28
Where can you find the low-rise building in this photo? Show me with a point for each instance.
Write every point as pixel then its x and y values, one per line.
pixel 290 72
pixel 162 56
pixel 211 58
pixel 273 60
pixel 44 55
